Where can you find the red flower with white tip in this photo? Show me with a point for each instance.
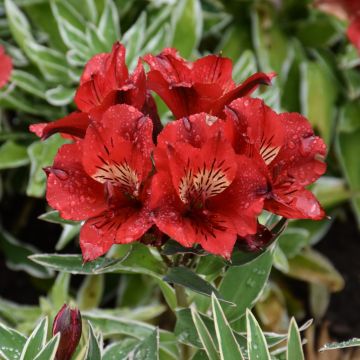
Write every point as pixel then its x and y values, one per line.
pixel 203 86
pixel 5 67
pixel 286 144
pixel 201 194
pixel 103 179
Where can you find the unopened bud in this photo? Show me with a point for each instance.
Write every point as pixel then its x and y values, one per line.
pixel 68 323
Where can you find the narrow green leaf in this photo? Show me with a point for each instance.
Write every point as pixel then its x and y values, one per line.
pixel 11 343
pixel 29 83
pixel 16 313
pixel 17 256
pixel 120 350
pixel 187 278
pixel 59 96
pixel 205 336
pixel 12 155
pixel 313 267
pixel 59 293
pixel 67 234
pixel 41 154
pixel 256 342
pixel 187 25
pixel 341 345
pixel 109 24
pixel 243 284
pixel 294 349
pixel 54 217
pixel 228 346
pixel 148 349
pixel 49 351
pixel 36 341
pixel 90 292
pixel 94 347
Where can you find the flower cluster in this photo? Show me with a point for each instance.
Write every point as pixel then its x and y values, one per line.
pixel 202 179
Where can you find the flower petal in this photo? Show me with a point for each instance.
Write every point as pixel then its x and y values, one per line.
pixel 69 189
pixel 6 67
pixel 74 124
pixel 300 204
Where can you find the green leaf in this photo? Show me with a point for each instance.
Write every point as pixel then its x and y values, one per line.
pixel 12 155
pixel 148 349
pixel 18 23
pixel 90 293
pixel 294 347
pixel 293 240
pixel 11 343
pixel 29 83
pixel 313 267
pixel 59 293
pixel 280 260
pixel 109 24
pixel 49 351
pixel 97 44
pixel 228 347
pixel 318 109
pixel 245 66
pixel 187 23
pixel 36 341
pixel 187 278
pixel 133 39
pixel 16 313
pixel 205 336
pixel 59 96
pixel 71 25
pixel 67 234
pixel 119 350
pixel 41 154
pixel 348 144
pixel 54 217
pixel 256 342
pixel 94 346
pixel 17 256
pixel 341 345
pixel 243 284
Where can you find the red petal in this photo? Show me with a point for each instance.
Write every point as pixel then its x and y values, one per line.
pixel 300 159
pixel 136 96
pixel 69 189
pixel 243 200
pixel 170 218
pixel 74 124
pixel 6 67
pixel 123 138
pixel 353 31
pixel 256 128
pixel 195 130
pixel 244 89
pixel 150 109
pixel 300 204
pixel 213 69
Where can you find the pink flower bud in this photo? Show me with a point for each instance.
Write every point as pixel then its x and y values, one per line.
pixel 68 323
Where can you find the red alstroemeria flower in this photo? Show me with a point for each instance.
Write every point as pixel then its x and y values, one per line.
pixel 104 82
pixel 203 86
pixel 348 10
pixel 292 153
pixel 201 193
pixel 103 179
pixel 5 67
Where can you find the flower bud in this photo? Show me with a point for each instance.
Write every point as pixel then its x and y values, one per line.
pixel 68 323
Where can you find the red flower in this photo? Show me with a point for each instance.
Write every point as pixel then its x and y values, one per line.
pixel 201 193
pixel 67 322
pixel 104 82
pixel 286 144
pixel 103 179
pixel 5 67
pixel 203 86
pixel 345 9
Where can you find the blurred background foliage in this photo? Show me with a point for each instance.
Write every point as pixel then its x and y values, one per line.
pixel 318 75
